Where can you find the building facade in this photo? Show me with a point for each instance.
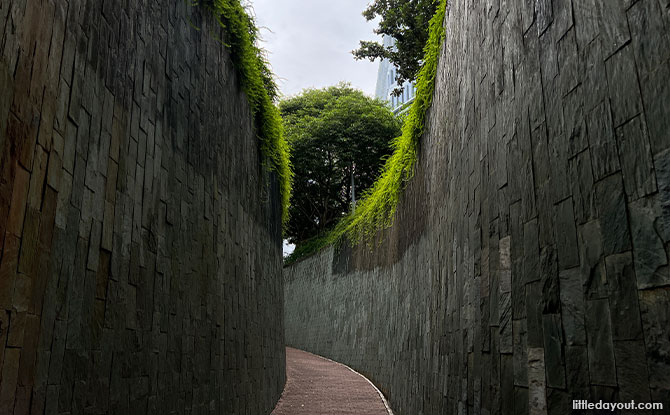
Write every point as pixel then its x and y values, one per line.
pixel 386 83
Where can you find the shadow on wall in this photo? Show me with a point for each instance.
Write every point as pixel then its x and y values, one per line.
pixel 141 257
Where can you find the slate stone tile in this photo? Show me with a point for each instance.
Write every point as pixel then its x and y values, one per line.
pixel 558 402
pixel 649 38
pixel 558 158
pixel 654 313
pixel 581 178
pixel 586 21
pixel 541 166
pixel 505 310
pixel 537 401
pixel 649 255
pixel 661 201
pixel 549 281
pixel 656 99
pixel 566 235
pixel 520 400
pixel 632 371
pixel 601 350
pixel 611 207
pixel 531 268
pixel 507 390
pixel 577 373
pixel 534 313
pixel 544 15
pixel 548 61
pixel 594 276
pixel 602 141
pixel 527 9
pixel 612 25
pixel 623 87
pixel 573 307
pixel 10 370
pixel 623 298
pixel 639 179
pixel 520 354
pixel 553 347
pixel 569 63
pixel 604 393
pixel 575 124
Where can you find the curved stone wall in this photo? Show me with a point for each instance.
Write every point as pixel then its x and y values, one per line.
pixel 141 253
pixel 528 265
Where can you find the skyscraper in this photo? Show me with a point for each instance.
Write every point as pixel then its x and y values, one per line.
pixel 386 83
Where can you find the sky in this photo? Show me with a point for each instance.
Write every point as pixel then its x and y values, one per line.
pixel 309 42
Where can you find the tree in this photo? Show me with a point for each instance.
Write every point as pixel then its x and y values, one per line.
pixel 407 22
pixel 337 135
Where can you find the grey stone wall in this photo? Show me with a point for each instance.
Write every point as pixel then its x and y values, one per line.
pixel 141 257
pixel 528 265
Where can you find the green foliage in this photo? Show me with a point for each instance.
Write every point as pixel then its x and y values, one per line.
pixel 333 133
pixel 377 210
pixel 407 22
pixel 256 79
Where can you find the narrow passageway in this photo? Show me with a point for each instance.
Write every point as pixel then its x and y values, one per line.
pixel 318 386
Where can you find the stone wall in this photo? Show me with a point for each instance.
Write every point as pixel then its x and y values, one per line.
pixel 141 257
pixel 528 264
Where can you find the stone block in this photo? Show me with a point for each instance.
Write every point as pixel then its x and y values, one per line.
pixel 575 123
pixel 581 179
pixel 612 25
pixel 569 63
pixel 632 371
pixel 637 164
pixel 649 37
pixel 577 373
pixel 537 400
pixel 602 141
pixel 611 208
pixel 649 254
pixel 655 314
pixel 623 297
pixel 10 372
pixel 534 313
pixel 594 277
pixel 549 281
pixel 623 89
pixel 531 268
pixel 553 347
pixel 656 99
pixel 520 353
pixel 558 402
pixel 601 350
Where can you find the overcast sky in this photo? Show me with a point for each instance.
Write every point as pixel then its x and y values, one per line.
pixel 310 42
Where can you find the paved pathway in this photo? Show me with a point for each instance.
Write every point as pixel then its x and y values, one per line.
pixel 317 386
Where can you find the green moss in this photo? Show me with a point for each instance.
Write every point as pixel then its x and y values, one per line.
pixel 377 208
pixel 257 82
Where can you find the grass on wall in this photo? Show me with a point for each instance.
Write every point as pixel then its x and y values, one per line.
pixel 377 207
pixel 257 82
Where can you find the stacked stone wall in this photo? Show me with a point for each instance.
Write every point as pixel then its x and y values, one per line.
pixel 140 236
pixel 529 261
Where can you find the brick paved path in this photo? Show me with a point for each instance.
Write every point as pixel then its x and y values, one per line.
pixel 317 386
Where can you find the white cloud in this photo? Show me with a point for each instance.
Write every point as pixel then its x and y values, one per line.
pixel 310 42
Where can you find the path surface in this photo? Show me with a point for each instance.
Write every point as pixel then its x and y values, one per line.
pixel 317 386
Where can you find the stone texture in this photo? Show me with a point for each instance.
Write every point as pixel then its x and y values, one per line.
pixel 553 183
pixel 141 254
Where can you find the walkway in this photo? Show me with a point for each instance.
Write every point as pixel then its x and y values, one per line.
pixel 318 386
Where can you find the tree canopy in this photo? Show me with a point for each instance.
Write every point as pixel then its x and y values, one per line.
pixel 407 22
pixel 333 133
